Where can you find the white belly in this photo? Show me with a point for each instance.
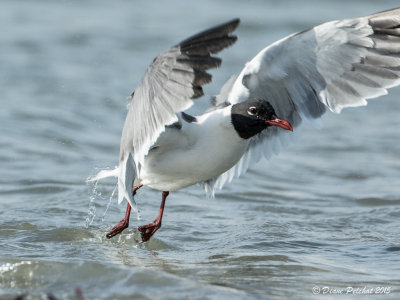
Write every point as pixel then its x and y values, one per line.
pixel 196 153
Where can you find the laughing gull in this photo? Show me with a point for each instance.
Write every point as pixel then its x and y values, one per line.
pixel 296 79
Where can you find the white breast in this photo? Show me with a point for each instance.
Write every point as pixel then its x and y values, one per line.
pixel 196 153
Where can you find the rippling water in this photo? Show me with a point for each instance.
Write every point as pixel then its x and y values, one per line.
pixel 324 214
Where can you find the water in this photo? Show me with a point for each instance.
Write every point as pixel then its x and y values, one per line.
pixel 325 213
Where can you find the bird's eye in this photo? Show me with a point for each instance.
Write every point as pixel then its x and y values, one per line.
pixel 252 111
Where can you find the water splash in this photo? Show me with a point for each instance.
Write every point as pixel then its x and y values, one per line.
pixel 96 194
pixel 92 207
pixel 109 203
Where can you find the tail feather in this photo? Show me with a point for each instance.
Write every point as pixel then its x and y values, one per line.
pixel 126 173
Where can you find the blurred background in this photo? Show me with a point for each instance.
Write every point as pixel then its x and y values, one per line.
pixel 324 213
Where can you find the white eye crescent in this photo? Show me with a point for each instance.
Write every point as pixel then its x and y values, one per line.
pixel 252 111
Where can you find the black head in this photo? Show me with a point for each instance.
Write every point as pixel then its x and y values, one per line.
pixel 253 116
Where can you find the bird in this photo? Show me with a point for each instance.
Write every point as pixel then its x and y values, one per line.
pixel 293 81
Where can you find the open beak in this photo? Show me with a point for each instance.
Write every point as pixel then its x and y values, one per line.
pixel 280 123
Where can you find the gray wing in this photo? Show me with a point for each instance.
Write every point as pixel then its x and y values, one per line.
pixel 329 67
pixel 170 83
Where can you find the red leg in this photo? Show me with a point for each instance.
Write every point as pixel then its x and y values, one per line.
pixel 147 231
pixel 124 223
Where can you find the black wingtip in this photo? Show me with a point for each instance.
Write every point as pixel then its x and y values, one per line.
pixel 230 25
pixel 196 52
pixel 218 31
pixel 235 23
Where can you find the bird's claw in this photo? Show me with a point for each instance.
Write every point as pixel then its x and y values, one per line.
pixel 147 231
pixel 117 229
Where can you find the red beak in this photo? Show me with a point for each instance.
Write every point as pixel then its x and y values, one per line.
pixel 280 123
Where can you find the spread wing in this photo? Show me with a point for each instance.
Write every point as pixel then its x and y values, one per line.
pixel 329 67
pixel 170 83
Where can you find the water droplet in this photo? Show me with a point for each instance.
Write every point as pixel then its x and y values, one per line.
pixel 109 203
pixel 92 207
